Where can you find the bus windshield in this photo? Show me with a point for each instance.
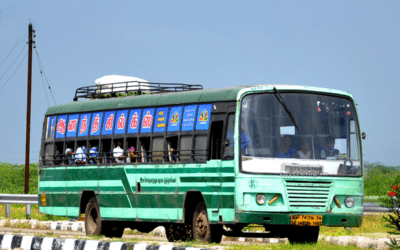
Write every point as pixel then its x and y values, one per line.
pixel 299 134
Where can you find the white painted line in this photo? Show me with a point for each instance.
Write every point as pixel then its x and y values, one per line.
pixel 6 243
pixel 139 247
pixel 75 226
pixel 115 245
pixel 47 243
pixel 53 225
pixel 26 242
pixel 166 247
pixel 91 245
pixel 69 244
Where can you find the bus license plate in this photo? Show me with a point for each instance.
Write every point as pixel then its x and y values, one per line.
pixel 306 220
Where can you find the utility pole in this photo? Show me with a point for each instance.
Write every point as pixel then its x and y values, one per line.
pixel 28 108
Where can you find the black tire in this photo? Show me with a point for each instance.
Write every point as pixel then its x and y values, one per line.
pixel 93 225
pixel 303 235
pixel 202 229
pixel 178 232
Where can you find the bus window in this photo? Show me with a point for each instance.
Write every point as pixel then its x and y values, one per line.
pixel 81 152
pixel 186 148
pixel 228 148
pixel 172 143
pixel 118 152
pixel 144 145
pixel 93 151
pixel 132 151
pixel 158 149
pixel 49 154
pixel 69 153
pixel 59 152
pixel 200 146
pixel 50 122
pixel 106 151
pixel 215 139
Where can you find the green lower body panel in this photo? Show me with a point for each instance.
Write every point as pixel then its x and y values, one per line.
pixel 334 220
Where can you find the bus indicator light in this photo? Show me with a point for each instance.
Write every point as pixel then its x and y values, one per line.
pixel 43 199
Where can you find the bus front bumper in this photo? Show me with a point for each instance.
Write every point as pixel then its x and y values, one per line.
pixel 334 220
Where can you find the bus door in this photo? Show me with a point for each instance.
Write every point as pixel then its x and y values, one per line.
pixel 214 166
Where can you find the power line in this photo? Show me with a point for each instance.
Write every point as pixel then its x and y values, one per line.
pixel 13 73
pixel 13 62
pixel 13 48
pixel 42 69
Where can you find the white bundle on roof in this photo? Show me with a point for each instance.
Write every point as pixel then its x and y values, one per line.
pixel 107 84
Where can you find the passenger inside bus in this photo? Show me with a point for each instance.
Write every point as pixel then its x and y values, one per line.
pixel 80 157
pixel 118 153
pixel 131 155
pixel 329 152
pixel 70 156
pixel 94 154
pixel 287 151
pixel 305 152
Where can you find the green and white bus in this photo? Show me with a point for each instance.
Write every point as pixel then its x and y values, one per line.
pixel 204 163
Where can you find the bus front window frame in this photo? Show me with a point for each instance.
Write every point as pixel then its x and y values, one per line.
pixel 342 163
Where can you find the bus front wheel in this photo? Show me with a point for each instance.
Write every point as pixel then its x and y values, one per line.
pixel 303 235
pixel 202 229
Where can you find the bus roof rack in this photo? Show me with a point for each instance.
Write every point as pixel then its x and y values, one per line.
pixel 131 88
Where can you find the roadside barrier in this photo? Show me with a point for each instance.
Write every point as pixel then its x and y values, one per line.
pixel 38 243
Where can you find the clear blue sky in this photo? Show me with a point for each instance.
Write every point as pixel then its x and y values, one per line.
pixel 346 45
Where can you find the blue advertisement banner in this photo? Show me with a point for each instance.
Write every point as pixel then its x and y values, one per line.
pixel 147 120
pixel 134 121
pixel 84 124
pixel 72 125
pixel 161 120
pixel 189 115
pixel 203 117
pixel 108 123
pixel 95 125
pixel 120 122
pixel 61 126
pixel 174 119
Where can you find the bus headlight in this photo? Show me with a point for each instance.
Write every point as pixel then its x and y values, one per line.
pixel 349 202
pixel 260 199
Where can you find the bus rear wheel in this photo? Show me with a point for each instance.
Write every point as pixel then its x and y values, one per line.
pixel 303 235
pixel 202 229
pixel 94 225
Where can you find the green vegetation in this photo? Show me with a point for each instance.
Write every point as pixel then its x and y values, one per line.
pixel 378 179
pixel 12 178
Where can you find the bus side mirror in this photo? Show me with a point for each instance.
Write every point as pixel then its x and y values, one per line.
pixel 363 135
pixel 227 142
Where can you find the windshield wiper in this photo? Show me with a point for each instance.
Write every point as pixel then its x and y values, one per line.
pixel 282 102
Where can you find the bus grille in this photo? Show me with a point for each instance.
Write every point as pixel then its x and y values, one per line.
pixel 308 194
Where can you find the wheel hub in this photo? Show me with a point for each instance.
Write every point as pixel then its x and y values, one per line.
pixel 202 224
